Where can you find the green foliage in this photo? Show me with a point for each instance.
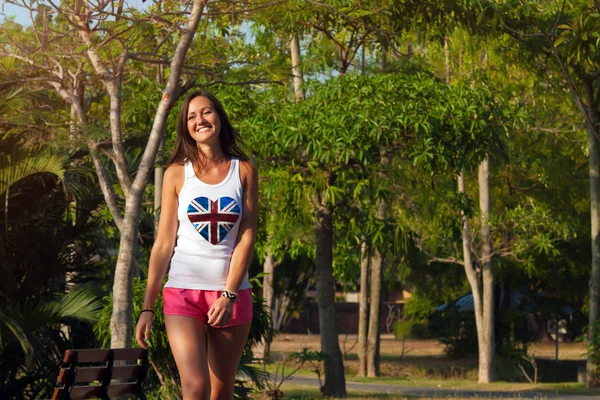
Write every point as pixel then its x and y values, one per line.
pixel 456 330
pixel 593 350
pixel 411 330
pixel 46 245
pixel 418 307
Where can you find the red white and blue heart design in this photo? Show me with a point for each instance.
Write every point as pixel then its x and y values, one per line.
pixel 213 219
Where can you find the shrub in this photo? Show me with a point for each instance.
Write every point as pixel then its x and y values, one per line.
pixel 456 330
pixel 411 330
pixel 418 308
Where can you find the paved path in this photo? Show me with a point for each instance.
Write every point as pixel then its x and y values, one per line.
pixel 437 393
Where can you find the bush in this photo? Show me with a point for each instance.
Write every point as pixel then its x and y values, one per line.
pixel 411 330
pixel 456 330
pixel 418 308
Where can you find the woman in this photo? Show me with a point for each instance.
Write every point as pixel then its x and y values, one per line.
pixel 206 231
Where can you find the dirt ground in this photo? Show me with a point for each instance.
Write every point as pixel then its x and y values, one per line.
pixel 425 358
pixel 390 347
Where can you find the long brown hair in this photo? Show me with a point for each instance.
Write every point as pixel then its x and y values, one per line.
pixel 186 149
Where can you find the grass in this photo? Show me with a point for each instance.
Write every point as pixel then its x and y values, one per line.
pixel 459 384
pixel 309 393
pixel 422 364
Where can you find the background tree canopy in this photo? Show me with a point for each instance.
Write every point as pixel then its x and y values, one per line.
pixel 436 146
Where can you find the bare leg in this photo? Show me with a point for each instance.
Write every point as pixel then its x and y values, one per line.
pixel 187 337
pixel 225 348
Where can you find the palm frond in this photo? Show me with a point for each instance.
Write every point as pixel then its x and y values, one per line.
pixel 20 164
pixel 80 303
pixel 13 326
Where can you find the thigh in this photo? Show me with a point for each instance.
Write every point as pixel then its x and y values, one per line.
pixel 225 348
pixel 187 338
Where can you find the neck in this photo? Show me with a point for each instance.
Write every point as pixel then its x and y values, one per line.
pixel 213 154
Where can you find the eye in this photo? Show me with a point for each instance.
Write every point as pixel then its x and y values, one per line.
pixel 191 117
pixel 207 112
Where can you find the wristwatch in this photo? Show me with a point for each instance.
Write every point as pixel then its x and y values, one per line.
pixel 232 296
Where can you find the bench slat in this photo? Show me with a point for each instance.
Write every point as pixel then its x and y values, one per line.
pixel 79 392
pixel 120 389
pixel 86 392
pixel 90 374
pixel 101 355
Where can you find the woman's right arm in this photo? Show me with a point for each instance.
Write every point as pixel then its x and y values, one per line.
pixel 162 250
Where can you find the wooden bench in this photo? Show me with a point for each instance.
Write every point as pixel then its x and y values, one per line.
pixel 94 369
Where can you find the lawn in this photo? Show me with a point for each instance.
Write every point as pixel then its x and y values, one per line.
pixel 422 364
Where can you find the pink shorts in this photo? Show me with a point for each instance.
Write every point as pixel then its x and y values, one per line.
pixel 196 303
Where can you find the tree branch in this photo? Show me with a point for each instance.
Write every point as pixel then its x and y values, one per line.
pixel 170 96
pixel 106 185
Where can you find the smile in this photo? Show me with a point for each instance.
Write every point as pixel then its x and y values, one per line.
pixel 203 129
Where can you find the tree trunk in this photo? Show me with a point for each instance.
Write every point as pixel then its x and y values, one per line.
pixel 263 349
pixel 159 173
pixel 296 69
pixel 447 66
pixel 487 345
pixel 592 373
pixel 335 381
pixel 374 313
pixel 374 335
pixel 470 270
pixel 121 319
pixel 363 309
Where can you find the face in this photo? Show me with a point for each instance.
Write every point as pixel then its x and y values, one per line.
pixel 203 122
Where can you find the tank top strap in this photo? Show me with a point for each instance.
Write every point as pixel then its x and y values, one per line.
pixel 236 171
pixel 189 170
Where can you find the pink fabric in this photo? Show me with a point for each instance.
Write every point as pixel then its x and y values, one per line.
pixel 196 303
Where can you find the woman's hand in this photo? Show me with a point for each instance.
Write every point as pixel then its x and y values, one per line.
pixel 142 329
pixel 220 312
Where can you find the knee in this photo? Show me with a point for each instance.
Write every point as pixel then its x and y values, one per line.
pixel 222 392
pixel 195 388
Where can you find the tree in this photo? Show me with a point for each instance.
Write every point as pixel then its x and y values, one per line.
pixel 565 33
pixel 87 23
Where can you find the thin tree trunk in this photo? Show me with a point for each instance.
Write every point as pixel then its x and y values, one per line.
pixel 363 309
pixel 263 349
pixel 592 373
pixel 374 313
pixel 447 65
pixel 121 319
pixel 374 335
pixel 296 70
pixel 159 169
pixel 159 173
pixel 472 274
pixel 335 381
pixel 486 347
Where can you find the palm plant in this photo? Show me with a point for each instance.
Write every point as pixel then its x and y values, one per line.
pixel 40 244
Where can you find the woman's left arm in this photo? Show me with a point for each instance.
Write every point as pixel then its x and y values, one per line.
pixel 242 254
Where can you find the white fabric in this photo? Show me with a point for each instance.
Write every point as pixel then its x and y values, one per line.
pixel 207 233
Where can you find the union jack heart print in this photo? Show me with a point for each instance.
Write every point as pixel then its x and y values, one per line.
pixel 213 219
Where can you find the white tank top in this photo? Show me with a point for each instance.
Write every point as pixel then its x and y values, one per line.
pixel 209 219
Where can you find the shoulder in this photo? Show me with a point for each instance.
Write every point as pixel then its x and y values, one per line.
pixel 248 168
pixel 248 173
pixel 175 176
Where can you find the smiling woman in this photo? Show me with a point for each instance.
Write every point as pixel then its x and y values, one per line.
pixel 206 233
